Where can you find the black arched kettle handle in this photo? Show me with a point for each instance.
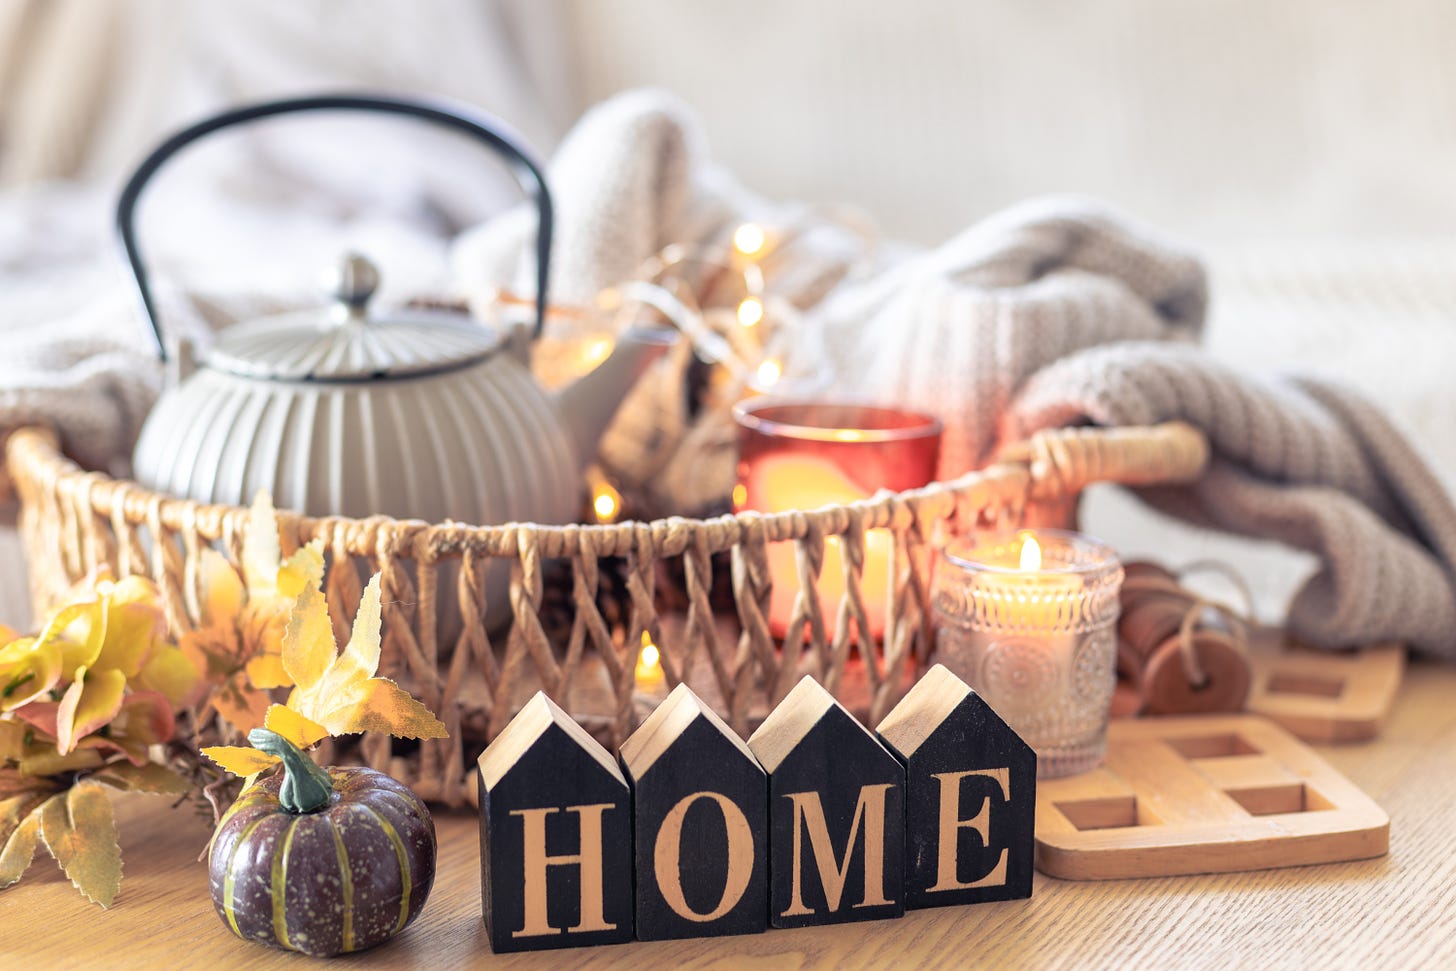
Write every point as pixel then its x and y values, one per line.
pixel 459 117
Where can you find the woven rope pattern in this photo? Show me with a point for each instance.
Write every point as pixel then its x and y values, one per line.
pixel 74 521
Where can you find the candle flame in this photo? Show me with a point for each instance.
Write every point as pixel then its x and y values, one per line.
pixel 1030 554
pixel 649 658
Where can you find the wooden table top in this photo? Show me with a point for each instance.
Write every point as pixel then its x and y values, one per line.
pixel 1398 911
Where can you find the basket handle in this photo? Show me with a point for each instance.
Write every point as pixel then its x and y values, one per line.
pixel 483 127
pixel 1062 461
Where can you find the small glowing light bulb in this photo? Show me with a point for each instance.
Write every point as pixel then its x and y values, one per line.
pixel 749 238
pixel 740 496
pixel 769 372
pixel 606 502
pixel 750 311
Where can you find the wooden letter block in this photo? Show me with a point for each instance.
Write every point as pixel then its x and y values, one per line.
pixel 555 836
pixel 970 795
pixel 836 814
pixel 700 805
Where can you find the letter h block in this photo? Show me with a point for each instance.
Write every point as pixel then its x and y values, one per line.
pixel 700 821
pixel 836 814
pixel 555 836
pixel 970 795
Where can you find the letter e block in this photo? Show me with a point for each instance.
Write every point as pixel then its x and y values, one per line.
pixel 970 795
pixel 700 824
pixel 836 814
pixel 555 836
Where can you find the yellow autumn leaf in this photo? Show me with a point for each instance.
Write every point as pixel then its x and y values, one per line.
pixel 80 831
pixel 150 777
pixel 91 701
pixel 380 705
pixel 171 673
pixel 261 551
pixel 242 705
pixel 339 691
pixel 29 668
pixel 17 847
pixel 266 671
pixel 220 587
pixel 297 728
pixel 241 760
pixel 43 760
pixel 12 740
pixel 308 643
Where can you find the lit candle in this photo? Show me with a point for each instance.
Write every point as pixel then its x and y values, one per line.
pixel 648 673
pixel 1027 621
pixel 805 455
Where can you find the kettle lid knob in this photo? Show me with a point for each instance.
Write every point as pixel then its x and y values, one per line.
pixel 352 282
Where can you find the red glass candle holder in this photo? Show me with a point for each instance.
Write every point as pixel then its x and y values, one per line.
pixel 810 454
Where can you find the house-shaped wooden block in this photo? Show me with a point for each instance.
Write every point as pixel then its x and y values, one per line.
pixel 836 814
pixel 555 836
pixel 970 795
pixel 700 824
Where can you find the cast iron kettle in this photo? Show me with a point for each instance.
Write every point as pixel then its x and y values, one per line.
pixel 344 410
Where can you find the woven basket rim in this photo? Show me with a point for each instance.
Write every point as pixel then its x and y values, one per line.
pixel 1044 467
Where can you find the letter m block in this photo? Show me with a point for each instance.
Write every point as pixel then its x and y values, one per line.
pixel 836 814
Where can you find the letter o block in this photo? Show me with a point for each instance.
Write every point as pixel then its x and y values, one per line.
pixel 700 828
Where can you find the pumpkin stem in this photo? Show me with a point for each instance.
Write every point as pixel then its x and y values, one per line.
pixel 306 787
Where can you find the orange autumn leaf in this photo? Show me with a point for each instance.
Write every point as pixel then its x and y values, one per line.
pixel 241 760
pixel 335 693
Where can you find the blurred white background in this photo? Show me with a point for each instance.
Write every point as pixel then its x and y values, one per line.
pixel 1307 147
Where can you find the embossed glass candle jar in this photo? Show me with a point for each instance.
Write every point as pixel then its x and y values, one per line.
pixel 806 455
pixel 1028 620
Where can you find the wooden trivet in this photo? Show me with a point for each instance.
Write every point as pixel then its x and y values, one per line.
pixel 1202 794
pixel 1325 696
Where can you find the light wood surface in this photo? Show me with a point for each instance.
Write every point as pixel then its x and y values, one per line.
pixel 1202 794
pixel 1397 911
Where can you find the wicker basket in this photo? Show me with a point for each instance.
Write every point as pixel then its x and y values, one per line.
pixel 74 521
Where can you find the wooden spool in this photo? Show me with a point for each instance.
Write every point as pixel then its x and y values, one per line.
pixel 1151 659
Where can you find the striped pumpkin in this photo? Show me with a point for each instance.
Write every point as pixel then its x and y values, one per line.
pixel 343 878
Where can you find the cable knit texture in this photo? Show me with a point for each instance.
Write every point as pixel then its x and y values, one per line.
pixel 1300 461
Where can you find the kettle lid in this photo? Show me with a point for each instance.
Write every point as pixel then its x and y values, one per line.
pixel 344 342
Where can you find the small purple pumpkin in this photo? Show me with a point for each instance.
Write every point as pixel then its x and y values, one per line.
pixel 343 876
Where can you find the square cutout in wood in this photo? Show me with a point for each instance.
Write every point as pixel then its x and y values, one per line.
pixel 1211 746
pixel 1305 683
pixel 1106 812
pixel 1291 797
pixel 1324 696
pixel 1205 794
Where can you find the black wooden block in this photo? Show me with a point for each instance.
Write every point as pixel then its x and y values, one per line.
pixel 970 795
pixel 836 814
pixel 700 824
pixel 555 836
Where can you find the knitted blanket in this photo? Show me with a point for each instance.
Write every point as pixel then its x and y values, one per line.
pixel 1057 311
